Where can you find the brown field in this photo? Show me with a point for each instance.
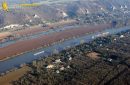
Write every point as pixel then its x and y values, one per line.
pixel 30 31
pixel 13 76
pixel 34 29
pixel 93 55
pixel 63 22
pixel 23 46
pixel 37 29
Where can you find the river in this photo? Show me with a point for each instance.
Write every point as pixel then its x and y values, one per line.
pixel 37 54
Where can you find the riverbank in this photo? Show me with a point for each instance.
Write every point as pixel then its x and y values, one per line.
pixel 27 45
pixel 56 47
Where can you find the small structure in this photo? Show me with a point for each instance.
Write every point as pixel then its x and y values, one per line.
pixel 70 58
pixel 58 61
pixel 62 68
pixel 115 39
pixel 57 71
pixel 109 59
pixel 122 36
pixel 68 66
pixel 36 16
pixel 12 26
pixel 50 66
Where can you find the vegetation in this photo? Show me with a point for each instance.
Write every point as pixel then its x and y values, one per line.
pixel 75 67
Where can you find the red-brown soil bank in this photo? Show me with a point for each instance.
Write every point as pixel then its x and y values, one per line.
pixel 23 46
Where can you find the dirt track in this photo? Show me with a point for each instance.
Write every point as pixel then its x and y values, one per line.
pixel 28 45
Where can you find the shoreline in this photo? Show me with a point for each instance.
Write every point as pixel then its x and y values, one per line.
pixel 60 41
pixel 51 42
pixel 120 30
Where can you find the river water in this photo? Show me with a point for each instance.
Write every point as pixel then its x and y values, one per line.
pixel 30 56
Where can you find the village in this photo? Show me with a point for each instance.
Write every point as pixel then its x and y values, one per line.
pixel 66 43
pixel 106 58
